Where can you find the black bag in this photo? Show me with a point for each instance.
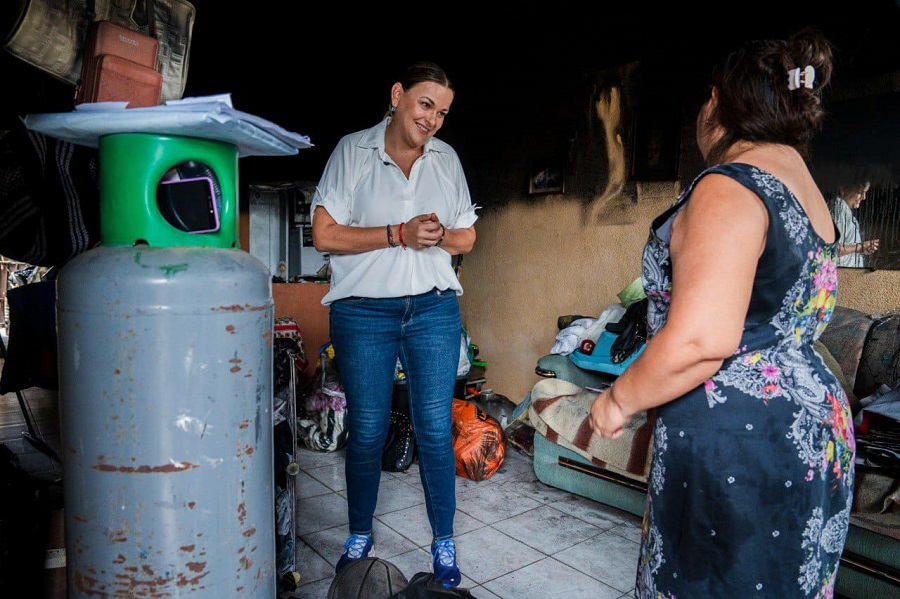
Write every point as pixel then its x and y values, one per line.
pixel 424 586
pixel 400 446
pixel 31 358
pixel 631 330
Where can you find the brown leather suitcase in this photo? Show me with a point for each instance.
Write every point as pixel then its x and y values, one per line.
pixel 119 65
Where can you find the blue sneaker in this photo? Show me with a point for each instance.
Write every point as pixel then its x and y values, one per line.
pixel 443 558
pixel 356 547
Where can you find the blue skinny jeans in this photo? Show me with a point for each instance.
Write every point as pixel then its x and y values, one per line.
pixel 368 335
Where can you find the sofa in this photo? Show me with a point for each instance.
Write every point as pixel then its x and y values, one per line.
pixel 862 349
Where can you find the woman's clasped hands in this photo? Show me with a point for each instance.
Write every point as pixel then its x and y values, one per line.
pixel 422 231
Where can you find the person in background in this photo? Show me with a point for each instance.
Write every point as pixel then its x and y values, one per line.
pixel 752 472
pixel 392 208
pixel 852 250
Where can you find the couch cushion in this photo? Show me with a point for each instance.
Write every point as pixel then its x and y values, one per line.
pixel 880 360
pixel 845 336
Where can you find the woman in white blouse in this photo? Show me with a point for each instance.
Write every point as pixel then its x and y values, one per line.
pixel 392 208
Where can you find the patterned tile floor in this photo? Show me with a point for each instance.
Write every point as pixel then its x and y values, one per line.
pixel 517 538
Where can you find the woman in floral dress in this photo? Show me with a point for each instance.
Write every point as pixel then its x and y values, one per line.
pixel 751 484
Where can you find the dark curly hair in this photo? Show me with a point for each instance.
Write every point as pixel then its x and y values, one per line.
pixel 754 101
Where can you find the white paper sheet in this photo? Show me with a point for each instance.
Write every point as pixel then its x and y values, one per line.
pixel 208 117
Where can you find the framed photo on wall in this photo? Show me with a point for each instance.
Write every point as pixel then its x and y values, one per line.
pixel 547 178
pixel 656 144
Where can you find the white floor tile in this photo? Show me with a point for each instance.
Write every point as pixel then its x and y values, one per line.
pixel 310 565
pixel 464 485
pixel 607 557
pixel 308 458
pixel 630 529
pixel 394 494
pixel 550 578
pixel 413 523
pixel 547 529
pixel 328 543
pixel 330 475
pixel 307 486
pixel 528 485
pixel 410 476
pixel 487 553
pixel 493 503
pixel 598 514
pixel 389 543
pixel 481 592
pixel 320 512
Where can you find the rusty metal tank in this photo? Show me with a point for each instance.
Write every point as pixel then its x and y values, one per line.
pixel 166 373
pixel 166 423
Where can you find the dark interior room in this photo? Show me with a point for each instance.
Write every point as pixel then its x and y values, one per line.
pixel 529 78
pixel 518 71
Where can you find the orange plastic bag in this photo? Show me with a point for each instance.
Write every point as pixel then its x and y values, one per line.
pixel 478 441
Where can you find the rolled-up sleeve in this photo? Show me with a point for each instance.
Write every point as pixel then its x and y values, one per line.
pixel 332 192
pixel 465 214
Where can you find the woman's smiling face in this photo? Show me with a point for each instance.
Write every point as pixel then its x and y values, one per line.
pixel 856 195
pixel 421 110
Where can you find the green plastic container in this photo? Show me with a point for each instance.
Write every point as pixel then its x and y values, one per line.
pixel 132 168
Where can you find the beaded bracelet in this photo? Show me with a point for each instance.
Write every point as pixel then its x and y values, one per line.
pixel 441 240
pixel 390 236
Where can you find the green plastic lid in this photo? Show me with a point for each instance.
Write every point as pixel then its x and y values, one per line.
pixel 167 191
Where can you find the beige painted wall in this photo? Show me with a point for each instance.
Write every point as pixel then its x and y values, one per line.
pixel 537 260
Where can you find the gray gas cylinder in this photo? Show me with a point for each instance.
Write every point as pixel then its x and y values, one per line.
pixel 165 370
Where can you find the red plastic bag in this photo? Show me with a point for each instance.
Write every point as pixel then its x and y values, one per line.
pixel 478 441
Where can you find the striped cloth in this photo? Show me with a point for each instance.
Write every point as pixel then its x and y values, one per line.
pixel 560 411
pixel 49 197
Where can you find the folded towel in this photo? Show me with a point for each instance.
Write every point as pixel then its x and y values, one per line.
pixel 561 410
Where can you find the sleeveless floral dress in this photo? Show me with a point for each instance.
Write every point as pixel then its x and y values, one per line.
pixel 752 477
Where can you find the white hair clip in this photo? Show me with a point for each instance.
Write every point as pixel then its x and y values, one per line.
pixel 806 77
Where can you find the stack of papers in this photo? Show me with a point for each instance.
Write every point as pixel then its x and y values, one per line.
pixel 207 117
